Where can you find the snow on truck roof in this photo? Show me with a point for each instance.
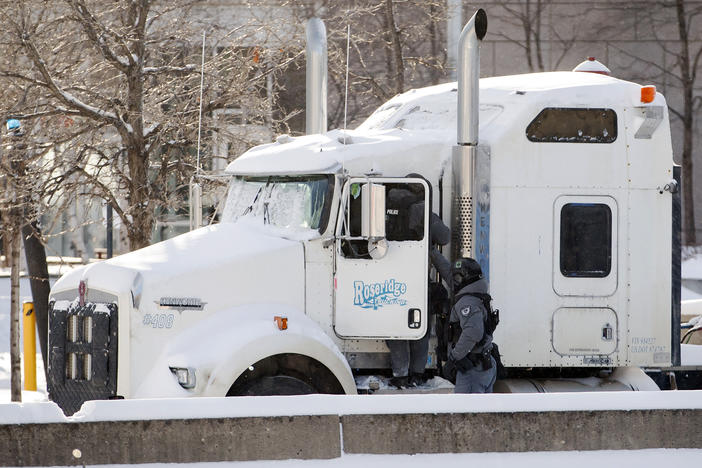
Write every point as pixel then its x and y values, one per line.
pixel 411 122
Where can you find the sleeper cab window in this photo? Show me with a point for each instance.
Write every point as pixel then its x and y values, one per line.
pixel 586 240
pixel 573 125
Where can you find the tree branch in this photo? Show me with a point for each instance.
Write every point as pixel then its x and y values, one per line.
pixel 65 97
pixel 187 69
pixel 91 26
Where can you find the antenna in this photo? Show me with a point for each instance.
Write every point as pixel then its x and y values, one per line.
pixel 195 188
pixel 199 121
pixel 346 92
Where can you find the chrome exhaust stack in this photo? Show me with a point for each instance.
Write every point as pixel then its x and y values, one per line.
pixel 465 152
pixel 316 79
pixel 469 77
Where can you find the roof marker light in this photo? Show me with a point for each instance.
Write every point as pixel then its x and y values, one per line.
pixel 648 94
pixel 592 66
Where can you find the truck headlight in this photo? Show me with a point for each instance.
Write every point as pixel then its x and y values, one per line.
pixel 185 376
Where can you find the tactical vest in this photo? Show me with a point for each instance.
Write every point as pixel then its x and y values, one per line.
pixel 478 355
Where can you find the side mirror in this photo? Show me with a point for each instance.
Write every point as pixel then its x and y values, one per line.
pixel 373 211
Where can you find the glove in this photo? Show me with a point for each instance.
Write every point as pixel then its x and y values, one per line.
pixel 460 364
pixel 448 371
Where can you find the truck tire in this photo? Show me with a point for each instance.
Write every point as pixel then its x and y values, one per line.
pixel 276 385
pixel 285 374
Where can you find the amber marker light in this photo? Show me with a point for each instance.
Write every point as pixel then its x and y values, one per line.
pixel 648 94
pixel 282 322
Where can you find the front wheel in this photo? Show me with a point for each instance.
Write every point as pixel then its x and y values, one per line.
pixel 286 374
pixel 276 385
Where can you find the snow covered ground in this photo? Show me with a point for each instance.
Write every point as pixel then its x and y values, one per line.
pixel 25 295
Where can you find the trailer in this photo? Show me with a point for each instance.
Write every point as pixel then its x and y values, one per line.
pixel 562 185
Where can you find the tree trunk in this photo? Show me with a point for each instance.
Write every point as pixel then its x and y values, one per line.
pixel 537 37
pixel 141 224
pixel 687 179
pixel 526 24
pixel 142 212
pixel 38 271
pixel 688 126
pixel 15 314
pixel 434 41
pixel 396 43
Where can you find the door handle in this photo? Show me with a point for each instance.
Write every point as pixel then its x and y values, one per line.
pixel 414 318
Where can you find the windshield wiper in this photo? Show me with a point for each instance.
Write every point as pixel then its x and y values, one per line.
pixel 266 214
pixel 249 208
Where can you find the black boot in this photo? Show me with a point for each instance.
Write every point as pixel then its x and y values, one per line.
pixel 417 379
pixel 399 382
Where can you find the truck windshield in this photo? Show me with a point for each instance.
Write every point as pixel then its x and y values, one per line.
pixel 297 203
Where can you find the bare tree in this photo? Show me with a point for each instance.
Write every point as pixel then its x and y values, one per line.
pixel 117 89
pixel 16 163
pixel 674 27
pixel 688 65
pixel 108 95
pixel 394 45
pixel 537 31
pixel 527 17
pixel 12 220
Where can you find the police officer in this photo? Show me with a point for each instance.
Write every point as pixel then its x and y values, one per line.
pixel 470 347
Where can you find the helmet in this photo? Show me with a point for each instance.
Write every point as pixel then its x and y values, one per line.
pixel 466 271
pixel 416 188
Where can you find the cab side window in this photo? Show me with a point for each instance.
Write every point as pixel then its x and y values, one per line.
pixel 404 212
pixel 586 240
pixel 404 217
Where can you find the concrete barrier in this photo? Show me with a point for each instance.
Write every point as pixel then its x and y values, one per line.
pixel 170 441
pixel 251 428
pixel 521 432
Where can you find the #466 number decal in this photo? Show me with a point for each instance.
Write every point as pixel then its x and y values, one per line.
pixel 158 320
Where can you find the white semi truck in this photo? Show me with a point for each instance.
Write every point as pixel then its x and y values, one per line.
pixel 568 199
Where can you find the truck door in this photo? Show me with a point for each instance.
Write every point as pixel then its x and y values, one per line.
pixel 380 285
pixel 585 276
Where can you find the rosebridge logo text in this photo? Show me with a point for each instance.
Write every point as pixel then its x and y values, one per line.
pixel 374 295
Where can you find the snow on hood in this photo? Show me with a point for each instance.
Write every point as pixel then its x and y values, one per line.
pixel 221 266
pixel 199 251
